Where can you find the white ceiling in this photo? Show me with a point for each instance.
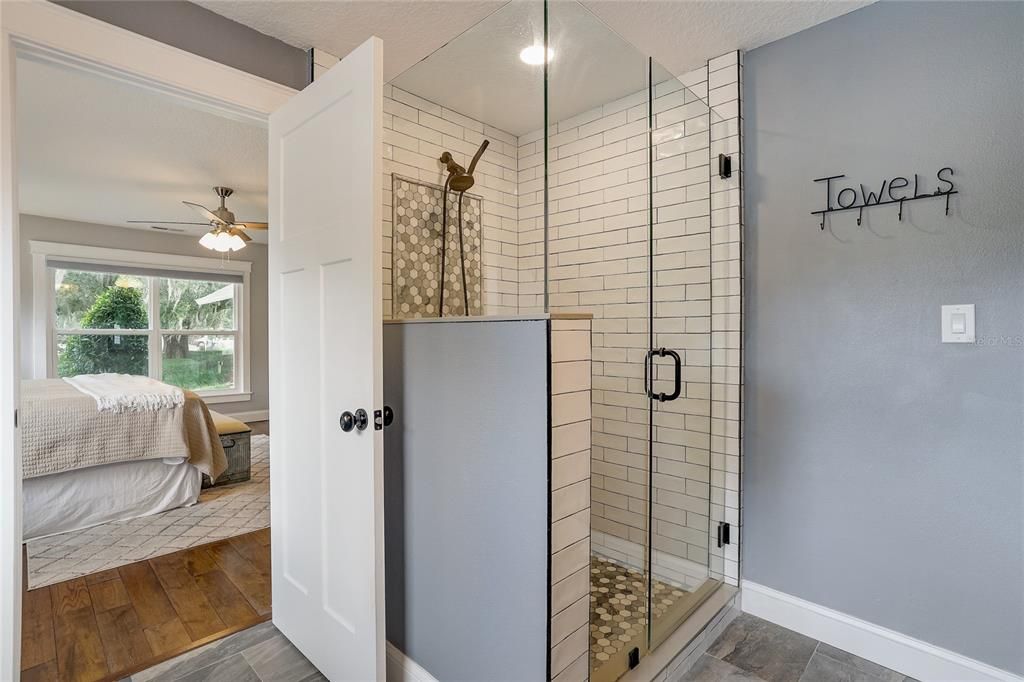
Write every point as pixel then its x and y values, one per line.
pixel 600 45
pixel 97 150
pixel 481 76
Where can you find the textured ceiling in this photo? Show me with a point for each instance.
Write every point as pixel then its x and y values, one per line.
pixel 683 34
pixel 97 150
pixel 679 34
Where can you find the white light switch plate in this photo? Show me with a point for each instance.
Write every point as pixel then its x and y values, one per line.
pixel 958 323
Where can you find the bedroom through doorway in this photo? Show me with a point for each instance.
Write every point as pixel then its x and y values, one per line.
pixel 144 397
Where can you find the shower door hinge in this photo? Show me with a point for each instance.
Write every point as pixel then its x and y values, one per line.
pixel 634 657
pixel 724 166
pixel 723 533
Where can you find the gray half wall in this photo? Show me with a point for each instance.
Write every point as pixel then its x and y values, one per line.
pixel 197 30
pixel 883 470
pixel 466 502
pixel 69 232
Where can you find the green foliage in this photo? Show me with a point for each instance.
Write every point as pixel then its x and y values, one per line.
pixel 201 370
pixel 179 309
pixel 116 308
pixel 98 300
pixel 77 291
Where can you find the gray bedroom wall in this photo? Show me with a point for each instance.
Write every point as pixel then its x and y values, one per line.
pixel 466 479
pixel 69 232
pixel 197 30
pixel 883 471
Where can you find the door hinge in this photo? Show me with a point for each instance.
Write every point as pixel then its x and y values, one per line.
pixel 724 166
pixel 634 657
pixel 15 417
pixel 723 533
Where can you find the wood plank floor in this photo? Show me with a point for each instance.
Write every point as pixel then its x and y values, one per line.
pixel 108 625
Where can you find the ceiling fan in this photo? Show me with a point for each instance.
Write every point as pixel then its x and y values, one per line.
pixel 225 233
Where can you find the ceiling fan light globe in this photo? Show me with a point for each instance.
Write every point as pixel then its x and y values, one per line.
pixel 208 240
pixel 235 242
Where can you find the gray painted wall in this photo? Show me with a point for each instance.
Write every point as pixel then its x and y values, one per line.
pixel 68 232
pixel 466 478
pixel 883 471
pixel 197 30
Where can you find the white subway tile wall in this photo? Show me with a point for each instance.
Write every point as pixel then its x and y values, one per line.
pixel 416 132
pixel 598 193
pixel 570 498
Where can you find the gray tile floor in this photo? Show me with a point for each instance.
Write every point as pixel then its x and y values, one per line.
pixel 750 649
pixel 259 654
pixel 756 650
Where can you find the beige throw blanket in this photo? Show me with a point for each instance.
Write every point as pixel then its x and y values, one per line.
pixel 127 392
pixel 62 430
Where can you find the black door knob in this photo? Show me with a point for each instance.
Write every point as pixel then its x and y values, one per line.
pixel 348 421
pixel 389 416
pixel 362 419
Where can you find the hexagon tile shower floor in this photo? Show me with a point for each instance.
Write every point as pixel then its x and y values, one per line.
pixel 618 621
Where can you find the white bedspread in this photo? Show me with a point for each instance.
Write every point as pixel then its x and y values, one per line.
pixel 112 492
pixel 127 392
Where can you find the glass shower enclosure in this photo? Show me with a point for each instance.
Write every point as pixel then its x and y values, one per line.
pixel 592 196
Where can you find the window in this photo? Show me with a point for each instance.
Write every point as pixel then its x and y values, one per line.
pixel 184 327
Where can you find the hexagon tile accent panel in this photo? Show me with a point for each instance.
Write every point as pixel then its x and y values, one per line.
pixel 416 251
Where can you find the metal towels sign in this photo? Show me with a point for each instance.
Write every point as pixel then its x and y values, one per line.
pixel 895 190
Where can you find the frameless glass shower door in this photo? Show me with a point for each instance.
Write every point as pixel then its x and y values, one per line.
pixel 679 359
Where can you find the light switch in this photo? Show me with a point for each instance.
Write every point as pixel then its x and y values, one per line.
pixel 958 323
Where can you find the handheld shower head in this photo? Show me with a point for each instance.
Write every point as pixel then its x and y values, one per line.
pixel 462 179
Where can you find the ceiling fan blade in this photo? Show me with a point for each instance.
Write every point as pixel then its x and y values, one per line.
pixel 252 226
pixel 166 222
pixel 241 233
pixel 205 212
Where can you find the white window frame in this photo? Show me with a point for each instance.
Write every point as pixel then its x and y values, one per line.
pixel 44 335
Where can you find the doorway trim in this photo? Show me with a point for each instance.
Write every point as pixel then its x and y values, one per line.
pixel 44 31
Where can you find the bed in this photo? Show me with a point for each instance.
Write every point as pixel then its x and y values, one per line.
pixel 82 466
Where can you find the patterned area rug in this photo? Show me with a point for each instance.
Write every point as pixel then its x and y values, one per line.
pixel 220 513
pixel 618 608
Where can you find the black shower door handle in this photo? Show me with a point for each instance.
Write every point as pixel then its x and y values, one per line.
pixel 649 374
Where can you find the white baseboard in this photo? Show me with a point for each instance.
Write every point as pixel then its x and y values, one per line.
pixel 886 647
pixel 401 668
pixel 254 416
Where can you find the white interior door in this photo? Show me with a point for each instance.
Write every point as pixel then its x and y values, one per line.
pixel 326 484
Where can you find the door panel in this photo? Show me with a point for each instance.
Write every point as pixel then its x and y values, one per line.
pixel 681 359
pixel 325 359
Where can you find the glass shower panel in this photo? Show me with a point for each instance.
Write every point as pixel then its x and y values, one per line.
pixel 680 359
pixel 453 129
pixel 598 262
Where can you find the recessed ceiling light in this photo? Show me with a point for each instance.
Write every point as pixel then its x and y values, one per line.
pixel 534 54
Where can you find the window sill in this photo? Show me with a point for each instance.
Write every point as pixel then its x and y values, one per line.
pixel 214 398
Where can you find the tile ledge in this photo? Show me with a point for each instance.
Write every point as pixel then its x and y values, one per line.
pixel 493 318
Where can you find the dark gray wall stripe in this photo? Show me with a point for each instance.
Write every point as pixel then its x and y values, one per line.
pixel 197 30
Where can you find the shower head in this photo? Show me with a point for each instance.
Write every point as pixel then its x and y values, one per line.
pixel 460 179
